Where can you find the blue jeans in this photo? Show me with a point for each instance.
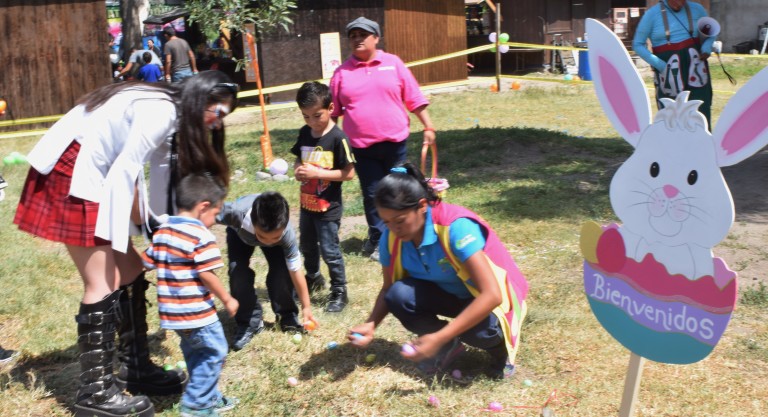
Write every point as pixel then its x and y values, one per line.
pixel 372 164
pixel 204 349
pixel 180 75
pixel 241 281
pixel 417 303
pixel 321 238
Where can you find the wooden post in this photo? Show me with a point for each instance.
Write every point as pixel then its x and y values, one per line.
pixel 631 385
pixel 498 52
pixel 264 140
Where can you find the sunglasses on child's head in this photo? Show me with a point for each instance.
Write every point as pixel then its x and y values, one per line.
pixel 220 110
pixel 232 88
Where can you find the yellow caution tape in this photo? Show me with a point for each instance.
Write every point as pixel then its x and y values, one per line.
pixel 294 86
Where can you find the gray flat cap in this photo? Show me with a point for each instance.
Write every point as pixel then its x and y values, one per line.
pixel 367 25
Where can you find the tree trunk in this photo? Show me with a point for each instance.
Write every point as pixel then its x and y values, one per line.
pixel 131 11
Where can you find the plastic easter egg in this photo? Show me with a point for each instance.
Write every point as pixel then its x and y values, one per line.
pixel 493 49
pixel 293 381
pixel 3 106
pixel 456 374
pixel 357 335
pixel 9 160
pixel 433 401
pixel 167 367
pixel 310 325
pixel 296 338
pixel 504 37
pixel 408 349
pixel 495 406
pixel 568 77
pixel 492 37
pixel 515 85
pixel 370 357
pixel 528 383
pixel 332 345
pixel 278 167
pixel 181 365
pixel 19 159
pixel 494 88
pixel 504 49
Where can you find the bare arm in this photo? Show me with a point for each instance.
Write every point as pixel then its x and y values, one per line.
pixel 429 130
pixel 192 61
pixel 300 284
pixel 168 66
pixel 125 70
pixel 212 282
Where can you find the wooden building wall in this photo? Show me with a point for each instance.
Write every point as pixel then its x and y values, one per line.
pixel 407 30
pixel 53 52
pixel 293 56
pixel 411 34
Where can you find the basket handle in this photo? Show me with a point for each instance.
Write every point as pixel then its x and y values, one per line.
pixel 424 149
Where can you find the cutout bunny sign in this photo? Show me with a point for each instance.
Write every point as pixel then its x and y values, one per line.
pixel 653 282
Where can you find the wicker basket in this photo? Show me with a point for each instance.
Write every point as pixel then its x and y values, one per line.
pixel 440 185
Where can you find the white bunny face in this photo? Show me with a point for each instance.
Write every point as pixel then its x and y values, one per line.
pixel 670 194
pixel 670 191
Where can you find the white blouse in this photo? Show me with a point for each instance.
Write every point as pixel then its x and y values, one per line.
pixel 116 140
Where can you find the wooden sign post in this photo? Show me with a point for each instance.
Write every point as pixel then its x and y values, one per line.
pixel 631 385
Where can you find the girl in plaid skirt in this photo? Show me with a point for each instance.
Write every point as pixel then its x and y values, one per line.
pixel 86 189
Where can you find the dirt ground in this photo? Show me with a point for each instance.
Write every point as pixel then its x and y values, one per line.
pixel 743 249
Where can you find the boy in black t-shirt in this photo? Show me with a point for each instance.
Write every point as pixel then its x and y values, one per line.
pixel 323 161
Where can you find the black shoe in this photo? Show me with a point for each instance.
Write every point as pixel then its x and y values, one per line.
pixel 499 366
pixel 369 247
pixel 315 282
pixel 245 334
pixel 337 300
pixel 291 325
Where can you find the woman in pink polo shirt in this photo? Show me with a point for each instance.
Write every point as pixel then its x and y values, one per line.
pixel 372 91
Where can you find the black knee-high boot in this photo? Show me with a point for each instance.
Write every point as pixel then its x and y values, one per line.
pixel 138 374
pixel 98 395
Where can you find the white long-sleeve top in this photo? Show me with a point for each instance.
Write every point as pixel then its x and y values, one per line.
pixel 116 139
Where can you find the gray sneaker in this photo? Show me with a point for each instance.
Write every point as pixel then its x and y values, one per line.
pixel 375 255
pixel 245 334
pixel 227 403
pixel 7 356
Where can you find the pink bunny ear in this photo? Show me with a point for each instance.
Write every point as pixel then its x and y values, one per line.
pixel 742 128
pixel 618 85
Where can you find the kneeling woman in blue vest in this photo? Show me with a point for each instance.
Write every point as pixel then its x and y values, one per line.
pixel 441 260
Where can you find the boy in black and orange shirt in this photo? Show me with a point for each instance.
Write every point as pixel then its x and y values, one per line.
pixel 323 161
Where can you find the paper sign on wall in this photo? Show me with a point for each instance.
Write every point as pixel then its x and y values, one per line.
pixel 330 53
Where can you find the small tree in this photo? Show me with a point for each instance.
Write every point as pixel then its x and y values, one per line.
pixel 214 15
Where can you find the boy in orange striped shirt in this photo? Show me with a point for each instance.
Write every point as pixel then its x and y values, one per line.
pixel 185 254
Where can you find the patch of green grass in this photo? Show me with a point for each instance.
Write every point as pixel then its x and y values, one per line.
pixel 757 297
pixel 536 163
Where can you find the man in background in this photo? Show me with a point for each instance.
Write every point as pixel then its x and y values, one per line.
pixel 179 58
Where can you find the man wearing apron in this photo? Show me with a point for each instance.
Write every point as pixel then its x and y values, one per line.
pixel 679 56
